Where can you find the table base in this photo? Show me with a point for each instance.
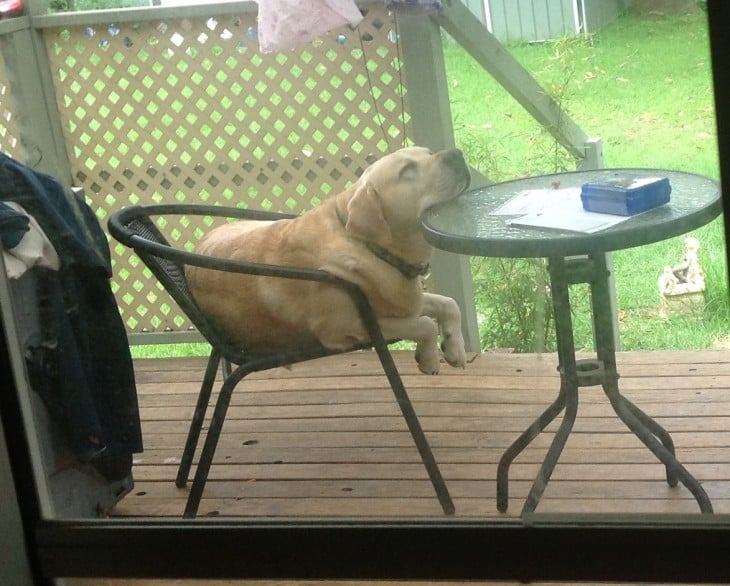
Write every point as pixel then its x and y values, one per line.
pixel 577 373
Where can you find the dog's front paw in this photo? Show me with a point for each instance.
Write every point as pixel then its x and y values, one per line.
pixel 428 359
pixel 454 351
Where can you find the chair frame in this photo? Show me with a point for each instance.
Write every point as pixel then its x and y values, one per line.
pixel 133 226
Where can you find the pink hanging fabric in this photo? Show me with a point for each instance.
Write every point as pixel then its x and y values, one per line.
pixel 285 24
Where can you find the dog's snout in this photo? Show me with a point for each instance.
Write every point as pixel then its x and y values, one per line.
pixel 452 157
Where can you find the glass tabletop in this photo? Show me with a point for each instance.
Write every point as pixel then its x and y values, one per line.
pixel 469 225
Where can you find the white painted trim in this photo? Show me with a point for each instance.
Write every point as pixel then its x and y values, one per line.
pixel 20 375
pixel 13 552
pixel 576 16
pixel 488 16
pixel 585 18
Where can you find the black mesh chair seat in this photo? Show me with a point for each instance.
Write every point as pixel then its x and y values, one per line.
pixel 135 227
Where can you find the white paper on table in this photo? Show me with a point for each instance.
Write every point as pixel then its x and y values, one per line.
pixel 560 209
pixel 537 200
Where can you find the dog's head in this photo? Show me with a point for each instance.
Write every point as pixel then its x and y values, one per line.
pixel 394 191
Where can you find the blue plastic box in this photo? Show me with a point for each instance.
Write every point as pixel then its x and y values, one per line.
pixel 625 196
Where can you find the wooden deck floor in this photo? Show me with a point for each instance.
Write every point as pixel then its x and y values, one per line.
pixel 326 438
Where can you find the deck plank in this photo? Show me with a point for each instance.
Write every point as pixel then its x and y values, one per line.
pixel 325 438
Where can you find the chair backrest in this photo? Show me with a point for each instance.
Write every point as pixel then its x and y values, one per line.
pixel 138 229
pixel 134 227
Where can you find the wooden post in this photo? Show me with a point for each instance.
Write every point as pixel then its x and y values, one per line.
pixel 593 155
pixel 37 116
pixel 593 159
pixel 432 127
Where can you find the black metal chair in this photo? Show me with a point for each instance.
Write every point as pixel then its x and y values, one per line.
pixel 135 227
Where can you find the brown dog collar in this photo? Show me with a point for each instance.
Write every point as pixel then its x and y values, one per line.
pixel 408 270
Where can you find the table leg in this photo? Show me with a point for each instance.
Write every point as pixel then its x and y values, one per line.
pixel 651 434
pixel 520 444
pixel 574 374
pixel 603 326
pixel 553 453
pixel 661 433
pixel 567 399
pixel 560 281
pixel 627 412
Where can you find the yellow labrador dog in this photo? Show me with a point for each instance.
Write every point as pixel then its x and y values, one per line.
pixel 370 235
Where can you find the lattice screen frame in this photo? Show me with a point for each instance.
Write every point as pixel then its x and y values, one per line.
pixel 189 110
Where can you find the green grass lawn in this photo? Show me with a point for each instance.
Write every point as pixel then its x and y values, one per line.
pixel 644 87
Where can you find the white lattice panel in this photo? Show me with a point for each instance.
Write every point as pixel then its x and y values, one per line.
pixel 189 110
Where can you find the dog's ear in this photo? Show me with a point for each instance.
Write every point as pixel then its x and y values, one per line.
pixel 365 219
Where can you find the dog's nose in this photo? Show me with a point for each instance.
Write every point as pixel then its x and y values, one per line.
pixel 453 157
pixel 453 160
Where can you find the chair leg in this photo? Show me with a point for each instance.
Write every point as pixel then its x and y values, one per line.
pixel 414 426
pixel 197 422
pixel 211 440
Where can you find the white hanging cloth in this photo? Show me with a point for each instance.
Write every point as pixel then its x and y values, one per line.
pixel 285 24
pixel 35 249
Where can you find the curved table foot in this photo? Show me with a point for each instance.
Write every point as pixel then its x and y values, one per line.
pixel 521 443
pixel 648 430
pixel 651 434
pixel 656 429
pixel 551 458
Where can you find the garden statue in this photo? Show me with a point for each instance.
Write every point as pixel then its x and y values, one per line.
pixel 681 288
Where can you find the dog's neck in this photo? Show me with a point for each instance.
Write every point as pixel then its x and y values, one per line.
pixel 408 270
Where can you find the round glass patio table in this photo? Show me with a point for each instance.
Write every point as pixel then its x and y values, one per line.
pixel 469 225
